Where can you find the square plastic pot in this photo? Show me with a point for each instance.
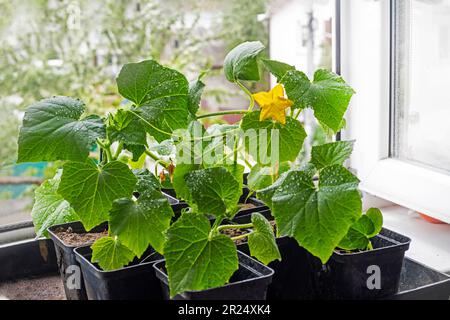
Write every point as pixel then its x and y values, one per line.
pixel 134 282
pixel 293 277
pixel 67 263
pixel 371 274
pixel 249 282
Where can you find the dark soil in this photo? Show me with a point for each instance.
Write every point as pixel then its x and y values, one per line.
pixel 46 288
pixel 71 238
pixel 234 233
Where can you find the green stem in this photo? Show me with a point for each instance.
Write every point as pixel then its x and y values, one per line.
pixel 249 94
pixel 221 113
pixel 242 236
pixel 369 246
pixel 106 147
pixel 119 150
pixel 235 226
pixel 156 158
pixel 298 113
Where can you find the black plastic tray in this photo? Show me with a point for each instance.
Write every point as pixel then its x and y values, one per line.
pixel 24 260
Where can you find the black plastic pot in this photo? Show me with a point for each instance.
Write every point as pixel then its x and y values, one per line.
pixel 249 282
pixel 137 281
pixel 353 275
pixel 293 277
pixel 66 258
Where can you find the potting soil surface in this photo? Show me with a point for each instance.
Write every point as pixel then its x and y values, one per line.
pixel 43 288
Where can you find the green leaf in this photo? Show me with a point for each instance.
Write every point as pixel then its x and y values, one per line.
pixel 50 208
pixel 136 149
pixel 124 126
pixel 241 62
pixel 354 240
pixel 277 68
pixel 237 171
pixel 317 217
pixel 179 182
pixel 146 181
pixel 161 95
pixel 213 191
pixel 359 234
pixel 142 222
pixel 195 259
pixel 331 153
pixel 261 241
pixel 376 217
pixel 267 193
pixel 195 95
pixel 110 254
pixel 261 177
pixel 53 130
pixel 91 190
pixel 328 95
pixel 290 138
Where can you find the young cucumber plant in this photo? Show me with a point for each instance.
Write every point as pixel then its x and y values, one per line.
pixel 320 216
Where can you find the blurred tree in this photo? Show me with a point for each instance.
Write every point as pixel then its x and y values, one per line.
pixel 76 47
pixel 244 20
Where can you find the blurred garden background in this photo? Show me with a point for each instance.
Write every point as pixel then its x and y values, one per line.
pixel 77 47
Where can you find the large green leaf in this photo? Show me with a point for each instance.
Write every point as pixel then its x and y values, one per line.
pixel 195 259
pixel 359 234
pixel 125 127
pixel 50 208
pixel 91 190
pixel 331 153
pixel 53 130
pixel 111 254
pixel 241 62
pixel 160 94
pixel 328 95
pixel 213 191
pixel 261 241
pixel 142 222
pixel 317 217
pixel 277 68
pixel 260 135
pixel 267 193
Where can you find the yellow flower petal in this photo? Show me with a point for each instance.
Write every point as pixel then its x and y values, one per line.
pixel 277 91
pixel 262 98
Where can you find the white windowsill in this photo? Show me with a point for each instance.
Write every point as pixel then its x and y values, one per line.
pixel 430 243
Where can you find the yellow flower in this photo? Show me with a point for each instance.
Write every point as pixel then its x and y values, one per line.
pixel 273 104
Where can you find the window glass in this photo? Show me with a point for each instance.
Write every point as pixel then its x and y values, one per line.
pixel 421 91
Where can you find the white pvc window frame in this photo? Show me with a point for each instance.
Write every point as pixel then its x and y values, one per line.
pixel 367 34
